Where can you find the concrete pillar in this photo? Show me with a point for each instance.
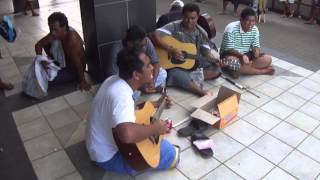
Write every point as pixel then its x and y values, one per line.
pixel 105 22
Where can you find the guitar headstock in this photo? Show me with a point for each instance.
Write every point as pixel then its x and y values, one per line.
pixel 231 63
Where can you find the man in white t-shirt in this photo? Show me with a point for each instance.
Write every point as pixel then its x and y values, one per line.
pixel 112 112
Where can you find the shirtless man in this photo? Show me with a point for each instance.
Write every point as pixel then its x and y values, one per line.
pixel 64 45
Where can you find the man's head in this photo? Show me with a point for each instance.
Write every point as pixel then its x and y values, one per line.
pixel 58 25
pixel 247 19
pixel 190 14
pixel 135 65
pixel 136 37
pixel 176 5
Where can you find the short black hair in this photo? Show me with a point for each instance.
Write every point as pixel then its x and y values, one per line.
pixel 59 17
pixel 247 12
pixel 191 7
pixel 133 34
pixel 128 61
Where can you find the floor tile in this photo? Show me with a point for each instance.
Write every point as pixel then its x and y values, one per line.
pixel 278 174
pixel 250 81
pixel 311 85
pixel 72 176
pixel 187 103
pixel 281 83
pixel 311 147
pixel 249 165
pixel 311 110
pixel 245 108
pixel 82 109
pixel 42 146
pixel 301 71
pixel 158 175
pixel 288 134
pixel 262 120
pixel 269 90
pixel 303 121
pixel 315 77
pixel 224 146
pixel 176 113
pixel 78 97
pixel 33 129
pixel 221 173
pixel 175 139
pixel 194 166
pixel 277 109
pixel 291 76
pixel 178 95
pixel 53 166
pixel 284 64
pixel 254 100
pixel 316 99
pixel 316 132
pixel 243 132
pixel 302 92
pixel 52 106
pixel 26 115
pixel 71 134
pixel 62 118
pixel 300 166
pixel 291 100
pixel 271 148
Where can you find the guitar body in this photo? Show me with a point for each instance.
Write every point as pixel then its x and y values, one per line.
pixel 144 154
pixel 168 62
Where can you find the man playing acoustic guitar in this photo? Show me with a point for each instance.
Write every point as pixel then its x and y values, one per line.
pixel 187 31
pixel 112 117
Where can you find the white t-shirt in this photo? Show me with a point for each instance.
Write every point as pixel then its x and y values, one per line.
pixel 112 105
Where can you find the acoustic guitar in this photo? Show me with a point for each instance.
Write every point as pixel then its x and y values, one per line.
pixel 189 52
pixel 146 153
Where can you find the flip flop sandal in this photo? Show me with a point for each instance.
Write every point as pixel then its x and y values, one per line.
pixel 186 131
pixel 203 152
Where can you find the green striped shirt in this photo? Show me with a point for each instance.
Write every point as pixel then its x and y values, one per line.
pixel 235 38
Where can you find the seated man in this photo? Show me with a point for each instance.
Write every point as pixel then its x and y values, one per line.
pixel 64 45
pixel 187 31
pixel 174 14
pixel 241 42
pixel 112 116
pixel 136 37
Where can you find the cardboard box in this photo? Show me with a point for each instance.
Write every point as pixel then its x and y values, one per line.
pixel 226 104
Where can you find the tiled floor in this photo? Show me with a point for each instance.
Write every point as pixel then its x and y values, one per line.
pixel 276 137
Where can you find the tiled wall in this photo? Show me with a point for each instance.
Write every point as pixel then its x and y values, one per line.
pixel 105 22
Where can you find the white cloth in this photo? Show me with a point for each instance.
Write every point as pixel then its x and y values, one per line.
pixel 112 105
pixel 35 80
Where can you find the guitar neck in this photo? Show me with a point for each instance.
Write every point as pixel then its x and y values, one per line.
pixel 160 109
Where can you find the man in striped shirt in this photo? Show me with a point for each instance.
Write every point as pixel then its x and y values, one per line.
pixel 241 42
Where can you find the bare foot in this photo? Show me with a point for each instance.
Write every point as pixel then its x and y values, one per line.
pixel 209 93
pixel 6 86
pixel 269 70
pixel 310 22
pixel 235 14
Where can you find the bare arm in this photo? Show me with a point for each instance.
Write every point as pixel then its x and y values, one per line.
pixel 43 43
pixel 78 59
pixel 132 132
pixel 256 52
pixel 160 44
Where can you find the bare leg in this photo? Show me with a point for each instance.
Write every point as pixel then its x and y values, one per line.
pixel 261 65
pixel 0 55
pixel 224 7
pixel 285 9
pixel 29 5
pixel 210 74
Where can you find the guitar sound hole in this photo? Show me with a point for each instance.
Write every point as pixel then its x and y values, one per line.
pixel 176 61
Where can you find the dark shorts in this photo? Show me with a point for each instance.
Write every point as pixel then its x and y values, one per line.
pixel 64 75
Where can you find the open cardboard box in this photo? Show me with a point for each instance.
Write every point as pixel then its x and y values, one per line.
pixel 226 104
